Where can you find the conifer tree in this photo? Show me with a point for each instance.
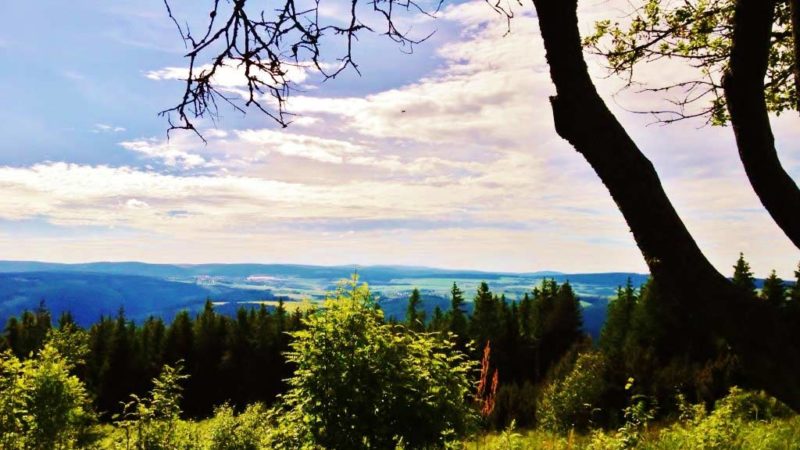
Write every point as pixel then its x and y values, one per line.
pixel 743 276
pixel 438 320
pixel 774 291
pixel 618 321
pixel 457 316
pixel 415 319
pixel 483 323
pixel 794 291
pixel 567 321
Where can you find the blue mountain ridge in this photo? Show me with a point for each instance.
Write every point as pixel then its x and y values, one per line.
pixel 89 290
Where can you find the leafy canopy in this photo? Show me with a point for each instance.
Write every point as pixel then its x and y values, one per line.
pixel 699 33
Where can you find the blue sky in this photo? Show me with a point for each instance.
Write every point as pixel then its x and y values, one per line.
pixel 471 175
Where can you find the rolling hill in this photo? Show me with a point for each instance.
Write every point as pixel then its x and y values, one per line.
pixel 91 289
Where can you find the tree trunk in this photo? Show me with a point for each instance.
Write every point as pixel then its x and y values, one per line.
pixel 744 91
pixel 706 297
pixel 794 6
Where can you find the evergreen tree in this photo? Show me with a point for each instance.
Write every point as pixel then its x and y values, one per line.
pixel 794 291
pixel 457 316
pixel 743 276
pixel 415 319
pixel 566 324
pixel 438 320
pixel 774 291
pixel 483 324
pixel 618 321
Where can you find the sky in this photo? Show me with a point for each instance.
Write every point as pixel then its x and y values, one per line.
pixel 445 157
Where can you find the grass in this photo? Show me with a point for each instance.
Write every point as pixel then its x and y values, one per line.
pixel 779 434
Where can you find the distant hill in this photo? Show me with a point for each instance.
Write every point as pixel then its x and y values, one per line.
pixel 88 295
pixel 91 289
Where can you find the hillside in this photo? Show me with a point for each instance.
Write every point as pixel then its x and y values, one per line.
pixel 91 289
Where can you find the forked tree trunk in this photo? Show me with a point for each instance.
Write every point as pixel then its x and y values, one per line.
pixel 703 294
pixel 744 92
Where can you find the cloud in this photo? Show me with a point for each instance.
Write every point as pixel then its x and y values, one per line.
pixel 136 204
pixel 458 168
pixel 170 153
pixel 105 128
pixel 232 74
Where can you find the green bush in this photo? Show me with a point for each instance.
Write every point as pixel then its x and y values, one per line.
pixel 728 425
pixel 741 420
pixel 42 406
pixel 362 383
pixel 570 402
pixel 153 422
pixel 228 431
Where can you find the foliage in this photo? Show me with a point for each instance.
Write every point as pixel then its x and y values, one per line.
pixel 415 317
pixel 697 32
pixel 638 414
pixel 726 426
pixel 774 291
pixel 570 402
pixel 743 276
pixel 42 406
pixel 153 422
pixel 229 431
pixel 362 383
pixel 646 337
pixel 240 360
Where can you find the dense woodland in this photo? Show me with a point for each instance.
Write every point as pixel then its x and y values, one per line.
pixel 527 344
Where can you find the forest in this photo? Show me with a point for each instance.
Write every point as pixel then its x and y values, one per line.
pixel 320 378
pixel 693 358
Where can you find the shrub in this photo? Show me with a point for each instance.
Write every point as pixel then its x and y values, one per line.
pixel 42 405
pixel 570 402
pixel 228 431
pixel 153 422
pixel 362 383
pixel 730 424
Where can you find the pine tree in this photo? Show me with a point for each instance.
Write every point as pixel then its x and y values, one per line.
pixel 438 320
pixel 415 319
pixel 567 320
pixel 457 317
pixel 618 321
pixel 743 276
pixel 484 324
pixel 794 291
pixel 774 291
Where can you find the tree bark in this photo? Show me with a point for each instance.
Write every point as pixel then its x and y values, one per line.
pixel 705 297
pixel 744 91
pixel 794 6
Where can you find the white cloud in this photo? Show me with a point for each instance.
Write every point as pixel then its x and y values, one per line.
pixel 133 203
pixel 232 74
pixel 172 153
pixel 105 128
pixel 461 168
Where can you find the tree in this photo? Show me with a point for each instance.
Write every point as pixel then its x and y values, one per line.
pixel 794 292
pixel 703 294
pixel 362 383
pixel 457 316
pixel 42 405
pixel 153 422
pixel 618 321
pixel 743 277
pixel 774 292
pixel 264 46
pixel 415 318
pixel 438 320
pixel 746 56
pixel 484 322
